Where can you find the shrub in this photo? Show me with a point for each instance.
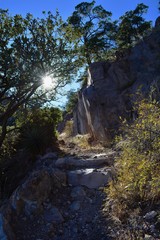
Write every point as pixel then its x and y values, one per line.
pixel 38 131
pixel 138 167
pixel 35 140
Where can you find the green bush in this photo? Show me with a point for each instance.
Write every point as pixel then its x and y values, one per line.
pixel 138 167
pixel 38 131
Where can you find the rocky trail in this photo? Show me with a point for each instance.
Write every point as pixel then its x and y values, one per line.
pixel 61 199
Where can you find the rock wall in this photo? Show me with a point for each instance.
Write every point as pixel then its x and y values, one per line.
pixel 112 88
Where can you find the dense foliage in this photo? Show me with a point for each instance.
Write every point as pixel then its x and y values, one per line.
pixel 30 49
pixel 38 130
pixel 90 29
pixel 132 27
pixel 138 166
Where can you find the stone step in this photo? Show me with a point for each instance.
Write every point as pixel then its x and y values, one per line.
pixel 68 162
pixel 91 178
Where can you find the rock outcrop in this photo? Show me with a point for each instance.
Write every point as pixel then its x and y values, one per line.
pixel 112 88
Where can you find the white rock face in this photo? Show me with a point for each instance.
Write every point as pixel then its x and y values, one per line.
pixel 90 178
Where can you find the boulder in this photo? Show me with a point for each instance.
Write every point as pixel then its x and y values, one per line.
pixel 32 193
pixel 30 198
pixel 36 189
pixel 90 178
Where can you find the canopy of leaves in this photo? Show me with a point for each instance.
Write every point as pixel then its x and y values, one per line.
pixel 132 27
pixel 30 48
pixel 89 28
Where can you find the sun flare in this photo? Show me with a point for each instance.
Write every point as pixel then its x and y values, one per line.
pixel 48 82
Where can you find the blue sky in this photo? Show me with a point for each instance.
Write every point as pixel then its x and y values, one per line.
pixel 66 7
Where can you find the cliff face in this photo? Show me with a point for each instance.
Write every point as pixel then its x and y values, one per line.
pixel 112 88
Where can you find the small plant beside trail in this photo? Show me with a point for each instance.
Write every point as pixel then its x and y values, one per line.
pixel 137 183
